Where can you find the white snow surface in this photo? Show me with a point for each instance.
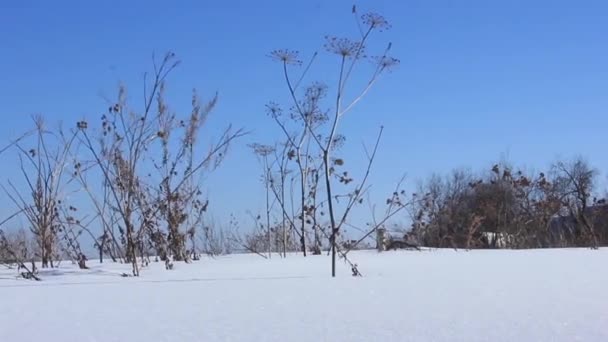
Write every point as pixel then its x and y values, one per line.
pixel 433 295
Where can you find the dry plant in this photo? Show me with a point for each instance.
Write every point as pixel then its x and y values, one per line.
pixel 16 251
pixel 298 148
pixel 253 242
pixel 43 168
pixel 152 210
pixel 395 204
pixel 278 183
pixel 350 53
pixel 263 152
pixel 215 239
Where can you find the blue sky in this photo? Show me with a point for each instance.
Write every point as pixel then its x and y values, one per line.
pixel 478 79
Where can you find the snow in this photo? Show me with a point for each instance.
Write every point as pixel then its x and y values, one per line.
pixel 434 295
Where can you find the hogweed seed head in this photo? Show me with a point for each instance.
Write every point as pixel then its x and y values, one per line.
pixel 316 92
pixel 375 21
pixel 261 149
pixel 343 47
pixel 274 110
pixel 289 57
pixel 386 62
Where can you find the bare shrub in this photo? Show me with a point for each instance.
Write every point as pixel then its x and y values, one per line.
pixel 162 210
pixel 16 252
pixel 43 168
pixel 504 208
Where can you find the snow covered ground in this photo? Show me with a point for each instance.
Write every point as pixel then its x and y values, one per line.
pixel 439 295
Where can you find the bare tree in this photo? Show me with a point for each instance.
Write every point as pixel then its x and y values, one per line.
pixel 576 182
pixel 509 208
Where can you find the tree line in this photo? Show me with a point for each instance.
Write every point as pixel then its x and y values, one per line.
pixel 509 208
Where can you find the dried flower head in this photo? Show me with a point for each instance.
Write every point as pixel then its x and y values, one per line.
pixel 338 141
pixel 274 110
pixel 344 47
pixel 285 56
pixel 316 92
pixel 386 62
pixel 311 105
pixel 375 21
pixel 262 150
pixel 315 118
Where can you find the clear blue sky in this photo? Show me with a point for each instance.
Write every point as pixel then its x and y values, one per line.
pixel 477 78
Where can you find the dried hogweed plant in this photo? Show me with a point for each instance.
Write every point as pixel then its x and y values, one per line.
pixel 318 116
